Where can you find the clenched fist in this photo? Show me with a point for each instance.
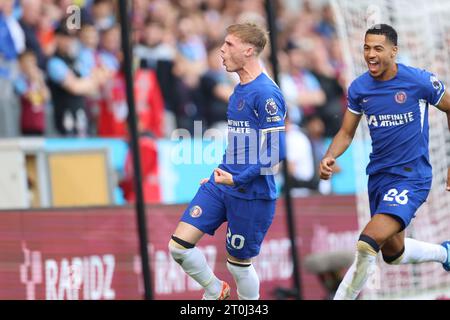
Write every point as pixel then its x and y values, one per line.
pixel 326 167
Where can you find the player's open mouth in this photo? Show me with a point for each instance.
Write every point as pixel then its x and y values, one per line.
pixel 373 66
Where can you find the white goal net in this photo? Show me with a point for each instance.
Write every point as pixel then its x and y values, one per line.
pixel 424 41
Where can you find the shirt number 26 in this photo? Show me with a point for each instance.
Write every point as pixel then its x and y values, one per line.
pixel 394 195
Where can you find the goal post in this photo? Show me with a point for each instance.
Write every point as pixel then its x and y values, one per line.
pixel 424 41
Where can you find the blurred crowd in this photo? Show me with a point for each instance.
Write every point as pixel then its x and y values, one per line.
pixel 61 68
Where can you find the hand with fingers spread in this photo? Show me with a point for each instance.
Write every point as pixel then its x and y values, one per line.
pixel 223 177
pixel 326 167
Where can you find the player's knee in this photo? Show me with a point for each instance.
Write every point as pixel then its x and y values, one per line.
pixel 179 249
pixel 394 259
pixel 367 245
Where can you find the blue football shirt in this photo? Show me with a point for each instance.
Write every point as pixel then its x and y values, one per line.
pixel 256 138
pixel 397 115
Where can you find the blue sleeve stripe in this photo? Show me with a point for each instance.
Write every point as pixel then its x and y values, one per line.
pixel 353 111
pixel 440 98
pixel 273 129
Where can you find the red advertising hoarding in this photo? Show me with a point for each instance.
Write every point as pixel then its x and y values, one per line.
pixel 92 253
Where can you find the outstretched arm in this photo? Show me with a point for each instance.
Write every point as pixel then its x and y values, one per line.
pixel 339 144
pixel 444 106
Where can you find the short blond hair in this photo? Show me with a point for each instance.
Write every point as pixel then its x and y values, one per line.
pixel 250 33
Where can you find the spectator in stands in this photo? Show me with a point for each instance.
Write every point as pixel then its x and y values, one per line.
pixel 337 61
pixel 190 64
pixel 149 102
pixel 11 44
pixel 139 17
pixel 31 14
pixel 288 88
pixel 51 14
pixel 15 30
pixel 192 51
pixel 112 121
pixel 88 57
pixel 149 169
pixel 305 149
pixel 301 88
pixel 88 60
pixel 108 57
pixel 166 12
pixel 103 14
pixel 113 108
pixel 7 49
pixel 216 21
pixel 68 88
pixel 216 86
pixel 331 112
pixel 154 47
pixel 34 95
pixel 315 129
pixel 325 27
pixel 157 51
pixel 110 51
pixel 302 173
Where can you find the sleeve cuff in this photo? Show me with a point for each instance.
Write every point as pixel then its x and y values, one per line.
pixel 237 181
pixel 353 111
pixel 440 98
